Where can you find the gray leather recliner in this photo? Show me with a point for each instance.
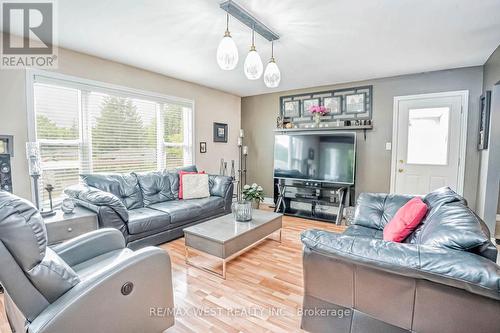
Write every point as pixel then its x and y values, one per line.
pixel 92 283
pixel 442 278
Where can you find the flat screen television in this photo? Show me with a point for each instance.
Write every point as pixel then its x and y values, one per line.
pixel 317 157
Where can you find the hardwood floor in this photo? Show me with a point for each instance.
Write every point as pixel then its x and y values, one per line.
pixel 4 325
pixel 262 291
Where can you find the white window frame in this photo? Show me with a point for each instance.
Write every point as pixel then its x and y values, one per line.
pixel 84 84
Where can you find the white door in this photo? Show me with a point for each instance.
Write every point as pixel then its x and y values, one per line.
pixel 428 142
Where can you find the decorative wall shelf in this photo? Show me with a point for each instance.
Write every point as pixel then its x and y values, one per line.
pixel 295 108
pixel 364 128
pixel 336 128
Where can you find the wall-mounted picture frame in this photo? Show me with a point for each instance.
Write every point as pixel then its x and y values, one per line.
pixel 333 104
pixel 355 103
pixel 203 147
pixel 7 145
pixel 307 104
pixel 291 109
pixel 220 132
pixel 484 120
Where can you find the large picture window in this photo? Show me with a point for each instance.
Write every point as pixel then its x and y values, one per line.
pixel 82 128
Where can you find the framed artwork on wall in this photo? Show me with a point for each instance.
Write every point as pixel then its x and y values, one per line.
pixel 355 103
pixel 484 120
pixel 220 132
pixel 308 103
pixel 333 104
pixel 291 109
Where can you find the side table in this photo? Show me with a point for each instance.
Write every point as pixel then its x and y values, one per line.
pixel 61 227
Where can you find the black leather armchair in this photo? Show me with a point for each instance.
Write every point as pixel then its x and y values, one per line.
pixel 442 278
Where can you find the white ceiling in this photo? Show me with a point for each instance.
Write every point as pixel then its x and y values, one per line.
pixel 322 41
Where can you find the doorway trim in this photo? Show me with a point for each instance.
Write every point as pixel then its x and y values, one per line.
pixel 464 94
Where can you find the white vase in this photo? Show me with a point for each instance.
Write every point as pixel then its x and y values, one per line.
pixel 317 119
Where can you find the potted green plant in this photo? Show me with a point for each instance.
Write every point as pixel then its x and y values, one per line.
pixel 253 193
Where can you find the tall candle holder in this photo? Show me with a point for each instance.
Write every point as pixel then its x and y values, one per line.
pixel 242 167
pixel 35 171
pixel 245 155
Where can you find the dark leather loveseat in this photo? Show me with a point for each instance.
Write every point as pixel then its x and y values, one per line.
pixel 145 206
pixel 442 278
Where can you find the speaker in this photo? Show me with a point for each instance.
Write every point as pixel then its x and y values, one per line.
pixel 5 173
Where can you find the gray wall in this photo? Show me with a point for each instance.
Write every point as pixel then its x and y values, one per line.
pixel 490 78
pixel 211 105
pixel 489 179
pixel 373 173
pixel 492 70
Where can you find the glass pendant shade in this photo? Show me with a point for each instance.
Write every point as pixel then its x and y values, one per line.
pixel 253 65
pixel 272 75
pixel 227 53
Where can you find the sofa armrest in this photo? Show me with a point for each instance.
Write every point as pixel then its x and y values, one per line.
pixel 98 198
pixel 90 245
pixel 106 309
pixel 458 269
pixel 375 210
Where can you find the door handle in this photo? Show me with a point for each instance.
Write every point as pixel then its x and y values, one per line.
pixel 400 170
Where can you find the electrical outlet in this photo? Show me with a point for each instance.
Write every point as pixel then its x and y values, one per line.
pixel 388 146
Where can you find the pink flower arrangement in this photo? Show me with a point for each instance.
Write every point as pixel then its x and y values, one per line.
pixel 316 109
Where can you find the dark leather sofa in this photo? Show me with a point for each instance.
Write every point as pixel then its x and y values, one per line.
pixel 145 206
pixel 442 278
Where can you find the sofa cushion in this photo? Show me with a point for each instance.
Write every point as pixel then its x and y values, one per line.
pixel 442 196
pixel 174 183
pixel 358 230
pixel 434 200
pixel 179 210
pixel 209 206
pixel 453 226
pixel 146 219
pixel 405 221
pixel 124 186
pixel 219 185
pixel 155 187
pixel 375 210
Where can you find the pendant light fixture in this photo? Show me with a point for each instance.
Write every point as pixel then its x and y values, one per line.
pixel 227 52
pixel 253 64
pixel 272 74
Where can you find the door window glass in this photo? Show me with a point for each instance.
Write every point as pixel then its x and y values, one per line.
pixel 428 131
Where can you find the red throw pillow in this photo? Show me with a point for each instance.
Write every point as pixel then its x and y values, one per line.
pixel 181 173
pixel 405 221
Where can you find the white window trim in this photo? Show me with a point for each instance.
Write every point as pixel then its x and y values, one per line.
pixel 105 87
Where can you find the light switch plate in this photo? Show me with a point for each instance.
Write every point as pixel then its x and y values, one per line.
pixel 388 146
